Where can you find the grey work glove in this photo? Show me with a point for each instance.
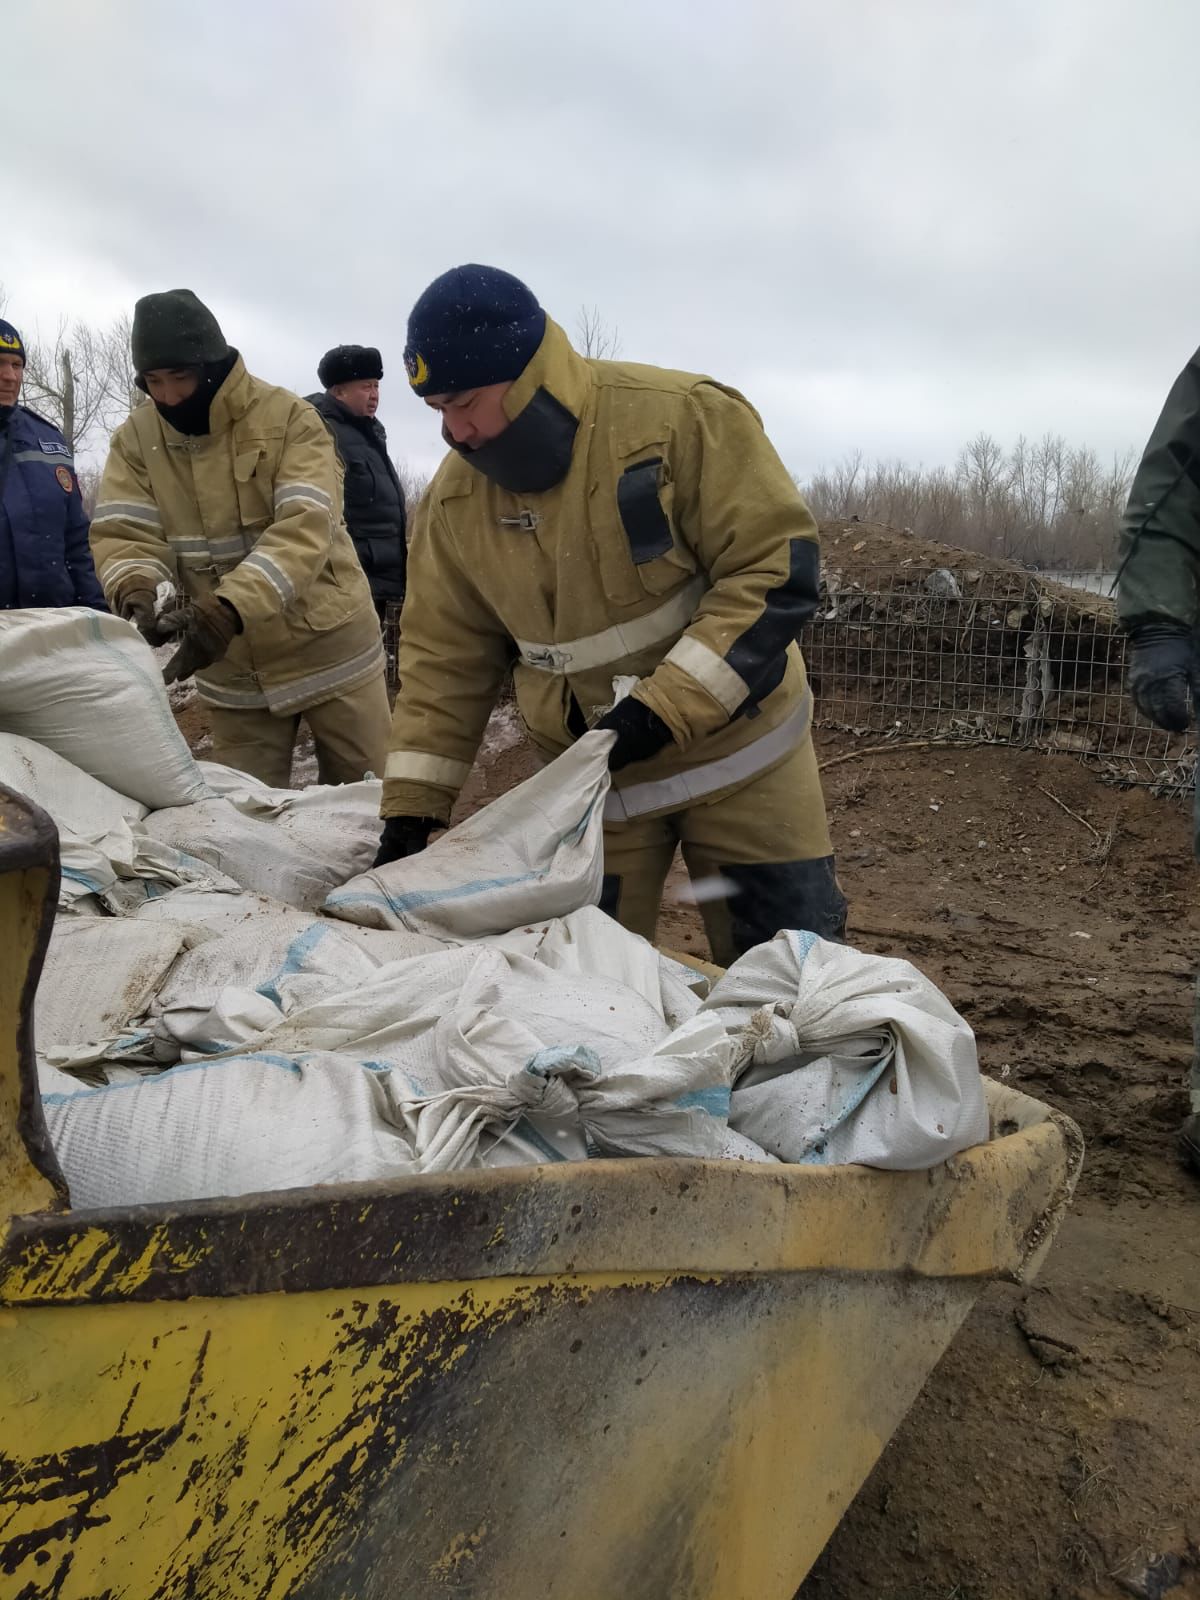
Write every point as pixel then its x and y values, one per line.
pixel 404 836
pixel 1164 675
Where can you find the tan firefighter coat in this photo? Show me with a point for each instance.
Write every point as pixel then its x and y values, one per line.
pixel 676 550
pixel 253 513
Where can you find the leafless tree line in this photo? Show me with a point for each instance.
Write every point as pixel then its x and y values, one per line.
pixel 1044 504
pixel 80 379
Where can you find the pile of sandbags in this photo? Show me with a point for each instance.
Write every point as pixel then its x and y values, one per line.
pixel 249 1005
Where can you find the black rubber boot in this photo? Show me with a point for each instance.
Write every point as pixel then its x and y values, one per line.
pixel 1189 1141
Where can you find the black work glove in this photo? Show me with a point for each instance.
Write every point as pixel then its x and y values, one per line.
pixel 204 629
pixel 1164 676
pixel 641 733
pixel 137 606
pixel 403 836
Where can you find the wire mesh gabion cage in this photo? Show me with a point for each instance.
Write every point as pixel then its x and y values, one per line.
pixel 999 655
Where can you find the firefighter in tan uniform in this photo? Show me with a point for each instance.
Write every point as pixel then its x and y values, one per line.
pixel 599 521
pixel 229 489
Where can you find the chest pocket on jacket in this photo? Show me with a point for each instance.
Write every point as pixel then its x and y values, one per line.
pixel 360 485
pixel 645 505
pixel 255 491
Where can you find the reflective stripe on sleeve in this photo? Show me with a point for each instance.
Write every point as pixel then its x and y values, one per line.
pixel 683 788
pixel 727 687
pixel 274 574
pixel 142 511
pixel 415 766
pixel 623 639
pixel 116 570
pixel 287 492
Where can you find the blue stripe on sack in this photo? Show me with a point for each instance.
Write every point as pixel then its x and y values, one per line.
pixel 418 898
pixel 80 877
pixel 816 1156
pixel 803 943
pixel 525 1130
pixel 715 1101
pixel 429 897
pixel 301 947
pixel 559 1057
pixel 127 1041
pixel 160 1077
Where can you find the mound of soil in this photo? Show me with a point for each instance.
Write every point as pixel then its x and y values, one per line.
pixel 925 638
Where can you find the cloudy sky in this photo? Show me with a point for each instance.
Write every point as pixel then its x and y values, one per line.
pixel 890 222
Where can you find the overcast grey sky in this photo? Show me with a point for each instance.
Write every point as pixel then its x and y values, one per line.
pixel 890 222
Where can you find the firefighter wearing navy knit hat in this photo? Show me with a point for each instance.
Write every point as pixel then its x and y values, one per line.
pixel 229 489
pixel 44 555
pixel 599 520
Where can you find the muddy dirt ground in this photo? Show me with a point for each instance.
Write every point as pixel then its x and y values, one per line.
pixel 1054 1454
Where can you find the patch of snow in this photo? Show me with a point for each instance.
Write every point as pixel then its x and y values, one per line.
pixel 504 731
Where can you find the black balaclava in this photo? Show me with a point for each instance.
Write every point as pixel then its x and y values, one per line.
pixel 191 416
pixel 534 451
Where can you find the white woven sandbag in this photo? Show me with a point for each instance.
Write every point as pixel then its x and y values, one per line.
pixel 294 851
pixel 479 1039
pixel 97 986
pixel 87 686
pixel 847 1057
pixel 232 1126
pixel 535 853
pixel 93 821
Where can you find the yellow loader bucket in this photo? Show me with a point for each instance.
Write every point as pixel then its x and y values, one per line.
pixel 634 1379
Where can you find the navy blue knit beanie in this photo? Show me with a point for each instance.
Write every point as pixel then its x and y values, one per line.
pixel 473 326
pixel 10 340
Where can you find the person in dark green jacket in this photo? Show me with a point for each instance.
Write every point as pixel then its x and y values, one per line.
pixel 1158 604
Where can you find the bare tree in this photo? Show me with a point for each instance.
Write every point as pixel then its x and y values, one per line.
pixel 1042 504
pixel 597 339
pixel 414 483
pixel 82 381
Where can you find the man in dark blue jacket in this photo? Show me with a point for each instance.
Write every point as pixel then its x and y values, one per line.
pixel 44 554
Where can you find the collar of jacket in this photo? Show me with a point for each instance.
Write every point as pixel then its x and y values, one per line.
pixel 558 369
pixel 334 410
pixel 545 407
pixel 231 401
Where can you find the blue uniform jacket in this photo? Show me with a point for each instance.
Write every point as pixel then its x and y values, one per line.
pixel 44 554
